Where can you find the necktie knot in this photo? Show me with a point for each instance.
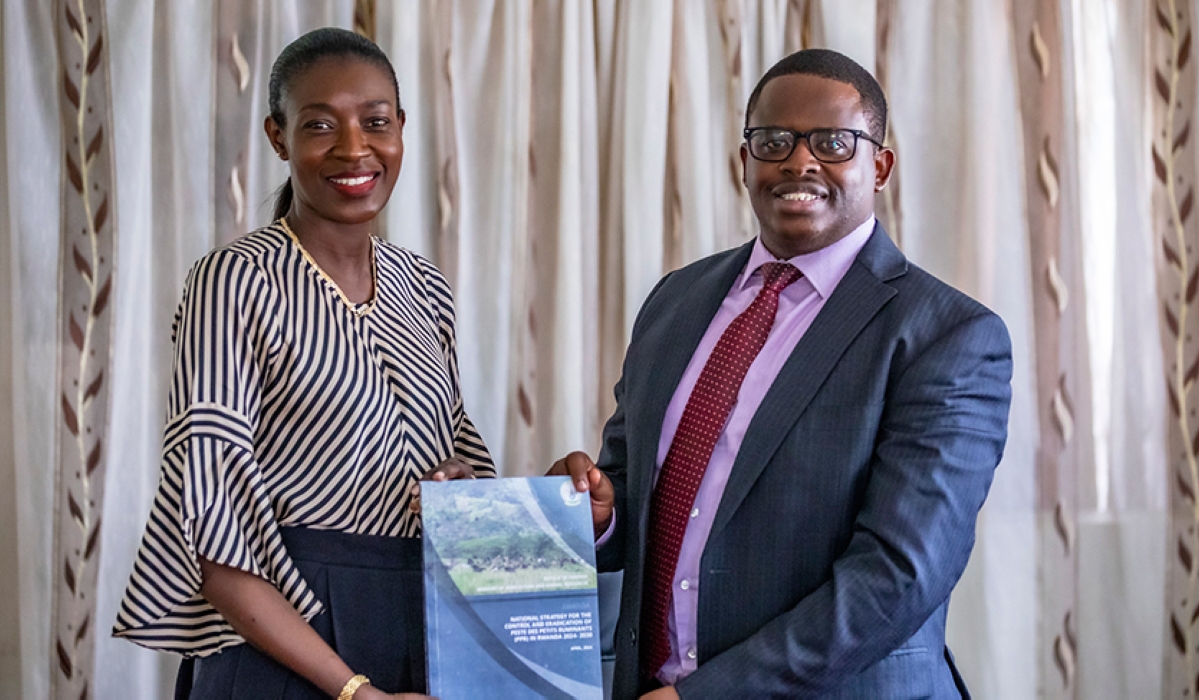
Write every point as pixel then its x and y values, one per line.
pixel 778 275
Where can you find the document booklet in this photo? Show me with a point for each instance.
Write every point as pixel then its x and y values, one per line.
pixel 510 601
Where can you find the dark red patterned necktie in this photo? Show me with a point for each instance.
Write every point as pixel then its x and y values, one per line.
pixel 703 421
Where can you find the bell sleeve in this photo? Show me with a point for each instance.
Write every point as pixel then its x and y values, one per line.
pixel 212 501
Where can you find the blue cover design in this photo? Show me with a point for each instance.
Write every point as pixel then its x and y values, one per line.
pixel 510 598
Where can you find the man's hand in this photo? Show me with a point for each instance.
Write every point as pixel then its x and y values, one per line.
pixel 449 470
pixel 588 478
pixel 666 693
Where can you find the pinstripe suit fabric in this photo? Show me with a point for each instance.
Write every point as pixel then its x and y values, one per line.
pixel 287 408
pixel 850 508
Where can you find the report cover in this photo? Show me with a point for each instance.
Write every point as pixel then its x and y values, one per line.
pixel 510 598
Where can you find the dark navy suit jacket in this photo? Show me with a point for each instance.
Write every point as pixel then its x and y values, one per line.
pixel 850 511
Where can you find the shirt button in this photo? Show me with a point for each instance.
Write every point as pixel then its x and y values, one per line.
pixel 691 653
pixel 695 512
pixel 685 584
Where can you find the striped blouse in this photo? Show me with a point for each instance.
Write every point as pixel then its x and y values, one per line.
pixel 291 407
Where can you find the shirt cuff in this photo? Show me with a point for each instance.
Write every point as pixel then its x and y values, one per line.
pixel 603 539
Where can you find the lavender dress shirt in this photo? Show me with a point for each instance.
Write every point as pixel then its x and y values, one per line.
pixel 798 305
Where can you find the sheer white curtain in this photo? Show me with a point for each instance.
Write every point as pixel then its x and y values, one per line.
pixel 560 156
pixel 162 140
pixel 10 621
pixel 1123 534
pixel 953 102
pixel 32 171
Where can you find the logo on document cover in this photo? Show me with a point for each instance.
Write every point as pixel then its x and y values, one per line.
pixel 569 496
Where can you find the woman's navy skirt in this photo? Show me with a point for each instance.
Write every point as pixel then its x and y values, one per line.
pixel 373 594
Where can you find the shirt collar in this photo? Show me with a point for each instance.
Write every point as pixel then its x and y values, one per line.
pixel 824 268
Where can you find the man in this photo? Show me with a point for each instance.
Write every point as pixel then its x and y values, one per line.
pixel 805 430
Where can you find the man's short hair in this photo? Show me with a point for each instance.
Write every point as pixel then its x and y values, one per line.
pixel 835 66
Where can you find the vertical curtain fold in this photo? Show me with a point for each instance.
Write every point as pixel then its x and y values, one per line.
pixel 633 45
pixel 238 62
pixel 163 141
pixel 10 623
pixel 1058 295
pixel 560 320
pixel 1173 100
pixel 87 272
pixel 32 221
pixel 887 202
pixel 492 117
pixel 1122 495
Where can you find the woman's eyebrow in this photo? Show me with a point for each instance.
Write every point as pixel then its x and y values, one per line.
pixel 328 107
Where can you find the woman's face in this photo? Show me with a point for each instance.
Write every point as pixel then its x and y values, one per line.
pixel 343 139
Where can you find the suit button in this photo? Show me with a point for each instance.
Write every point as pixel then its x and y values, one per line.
pixel 633 636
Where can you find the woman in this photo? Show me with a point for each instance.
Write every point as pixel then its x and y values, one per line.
pixel 315 383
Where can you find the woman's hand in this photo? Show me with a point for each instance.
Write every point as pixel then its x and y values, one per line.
pixel 449 470
pixel 369 692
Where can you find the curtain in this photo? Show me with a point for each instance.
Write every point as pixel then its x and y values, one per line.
pixel 560 156
pixel 954 101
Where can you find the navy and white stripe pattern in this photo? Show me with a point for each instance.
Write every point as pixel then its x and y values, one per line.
pixel 287 408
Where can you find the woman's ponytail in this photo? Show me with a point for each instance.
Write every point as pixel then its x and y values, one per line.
pixel 283 200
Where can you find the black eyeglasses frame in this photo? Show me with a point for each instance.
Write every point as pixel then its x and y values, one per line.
pixel 858 134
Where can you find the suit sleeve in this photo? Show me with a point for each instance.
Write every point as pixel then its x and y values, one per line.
pixel 940 438
pixel 614 455
pixel 613 460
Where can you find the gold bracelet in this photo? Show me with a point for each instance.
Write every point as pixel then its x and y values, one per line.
pixel 351 687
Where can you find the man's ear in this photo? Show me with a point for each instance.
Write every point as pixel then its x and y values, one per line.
pixel 744 159
pixel 274 134
pixel 884 164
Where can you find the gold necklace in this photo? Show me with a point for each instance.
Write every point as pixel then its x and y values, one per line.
pixel 357 309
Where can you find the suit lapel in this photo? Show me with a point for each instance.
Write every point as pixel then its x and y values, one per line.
pixel 682 325
pixel 857 298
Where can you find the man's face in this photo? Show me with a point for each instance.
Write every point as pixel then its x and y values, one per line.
pixel 802 204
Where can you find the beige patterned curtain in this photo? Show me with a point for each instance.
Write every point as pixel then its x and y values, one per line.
pixel 87 252
pixel 1174 169
pixel 560 156
pixel 1058 302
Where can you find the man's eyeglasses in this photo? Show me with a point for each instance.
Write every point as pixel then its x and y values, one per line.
pixel 774 145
